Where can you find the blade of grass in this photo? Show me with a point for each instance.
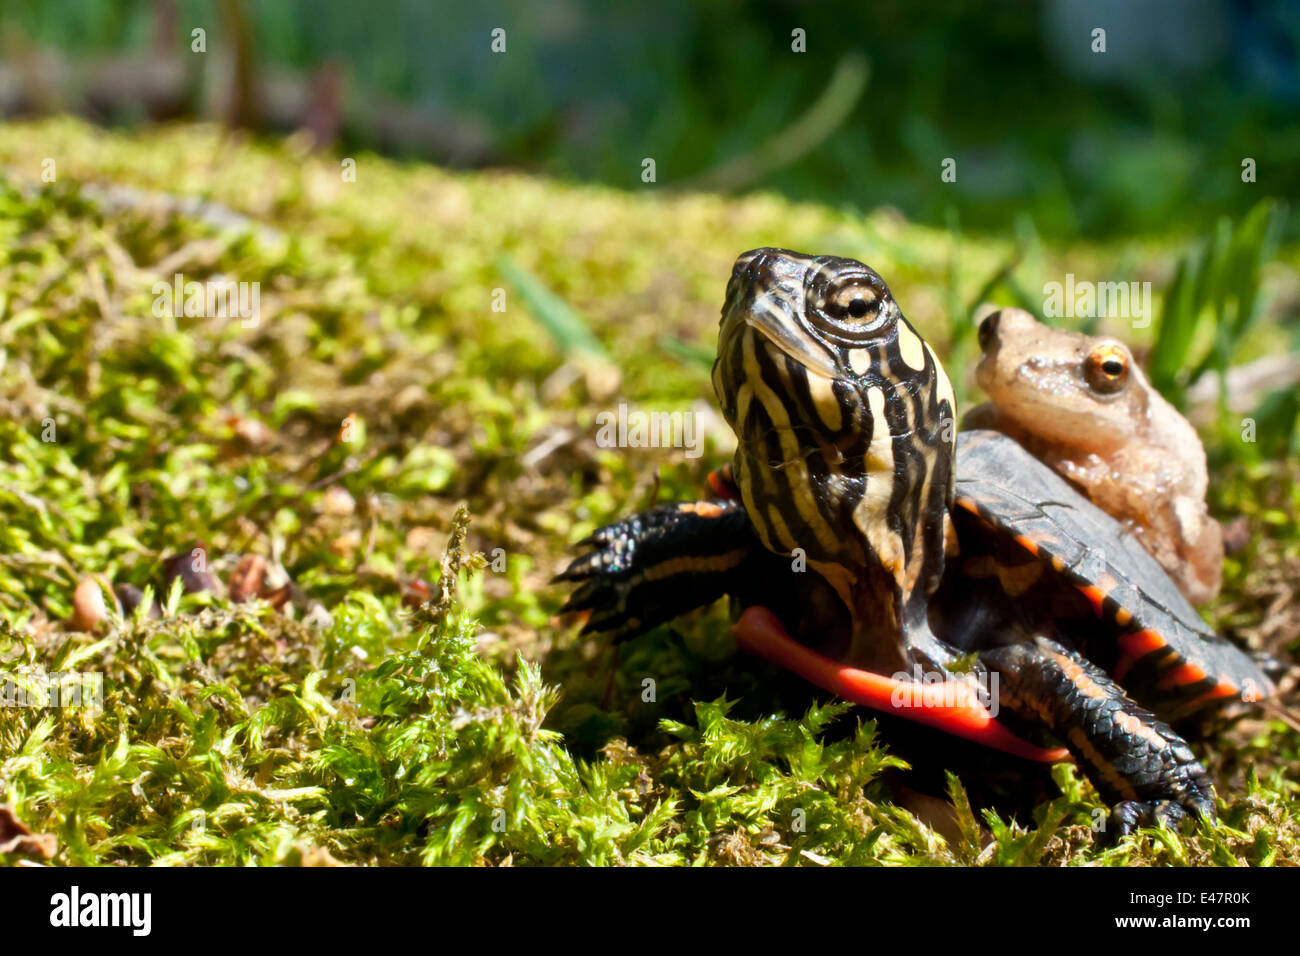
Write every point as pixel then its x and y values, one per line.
pixel 1179 317
pixel 801 137
pixel 1237 283
pixel 689 353
pixel 563 323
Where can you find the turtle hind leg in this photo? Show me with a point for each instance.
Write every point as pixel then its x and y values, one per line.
pixel 1145 769
pixel 655 565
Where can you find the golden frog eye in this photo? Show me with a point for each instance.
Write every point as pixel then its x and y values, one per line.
pixel 1106 368
pixel 988 328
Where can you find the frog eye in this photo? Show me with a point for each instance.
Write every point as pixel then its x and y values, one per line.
pixel 987 330
pixel 1106 368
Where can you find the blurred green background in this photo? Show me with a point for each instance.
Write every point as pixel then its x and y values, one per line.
pixel 1147 136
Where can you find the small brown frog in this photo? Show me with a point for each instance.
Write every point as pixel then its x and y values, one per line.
pixel 1081 405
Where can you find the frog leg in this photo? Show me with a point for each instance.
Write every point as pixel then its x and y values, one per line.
pixel 655 565
pixel 1136 760
pixel 953 706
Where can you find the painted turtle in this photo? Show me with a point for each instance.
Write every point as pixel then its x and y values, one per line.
pixel 943 577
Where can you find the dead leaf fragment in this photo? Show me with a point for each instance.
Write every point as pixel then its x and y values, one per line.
pixel 248 577
pixel 15 837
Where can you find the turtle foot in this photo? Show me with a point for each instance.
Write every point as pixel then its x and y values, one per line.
pixel 1128 816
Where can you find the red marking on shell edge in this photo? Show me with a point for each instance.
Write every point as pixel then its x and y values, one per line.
pixel 1134 647
pixel 1187 673
pixel 952 706
pixel 1028 544
pixel 1143 642
pixel 1096 597
pixel 1219 691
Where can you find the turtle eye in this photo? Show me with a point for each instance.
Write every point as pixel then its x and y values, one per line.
pixel 855 301
pixel 854 308
pixel 1106 368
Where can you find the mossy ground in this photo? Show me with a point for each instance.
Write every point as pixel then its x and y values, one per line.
pixel 478 728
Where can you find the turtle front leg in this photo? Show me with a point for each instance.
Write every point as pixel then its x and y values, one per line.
pixel 1136 760
pixel 655 565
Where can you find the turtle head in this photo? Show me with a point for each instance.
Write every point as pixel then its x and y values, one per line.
pixel 845 424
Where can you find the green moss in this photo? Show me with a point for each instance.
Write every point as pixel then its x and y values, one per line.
pixel 351 726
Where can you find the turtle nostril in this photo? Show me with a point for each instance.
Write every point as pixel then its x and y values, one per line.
pixel 987 330
pixel 748 264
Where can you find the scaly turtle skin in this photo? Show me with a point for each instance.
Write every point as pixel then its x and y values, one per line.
pixel 853 519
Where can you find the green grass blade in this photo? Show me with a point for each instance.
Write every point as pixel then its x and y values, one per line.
pixel 562 322
pixel 1178 321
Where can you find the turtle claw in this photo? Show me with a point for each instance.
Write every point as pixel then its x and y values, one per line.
pixel 1128 816
pixel 657 564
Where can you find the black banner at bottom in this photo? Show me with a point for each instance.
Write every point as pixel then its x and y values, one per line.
pixel 339 905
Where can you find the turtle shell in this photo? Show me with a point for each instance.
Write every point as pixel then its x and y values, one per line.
pixel 1149 634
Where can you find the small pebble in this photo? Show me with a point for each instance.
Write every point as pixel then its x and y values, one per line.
pixel 89 605
pixel 250 431
pixel 130 597
pixel 192 568
pixel 337 501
